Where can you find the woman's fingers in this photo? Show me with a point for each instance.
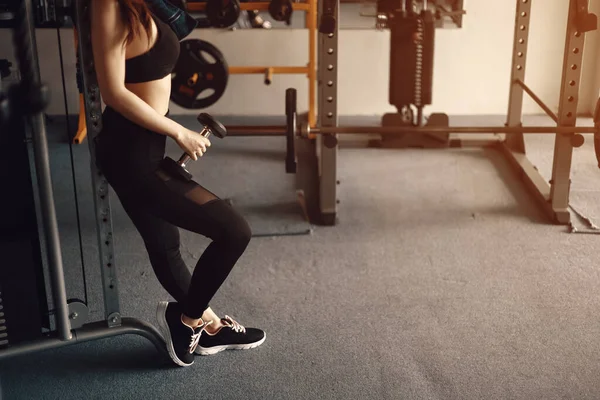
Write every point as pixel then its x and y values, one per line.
pixel 198 148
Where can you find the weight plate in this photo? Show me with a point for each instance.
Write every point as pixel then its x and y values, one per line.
pixel 215 126
pixel 201 69
pixel 281 10
pixel 222 13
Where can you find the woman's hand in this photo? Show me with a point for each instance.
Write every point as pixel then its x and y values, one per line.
pixel 192 143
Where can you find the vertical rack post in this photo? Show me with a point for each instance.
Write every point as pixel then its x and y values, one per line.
pixel 513 145
pixel 516 142
pixel 30 85
pixel 328 117
pixel 100 191
pixel 567 116
pixel 311 24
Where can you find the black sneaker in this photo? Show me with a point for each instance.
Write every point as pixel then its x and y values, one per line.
pixel 231 336
pixel 181 339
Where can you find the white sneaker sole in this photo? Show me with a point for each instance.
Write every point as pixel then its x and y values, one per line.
pixel 161 311
pixel 201 351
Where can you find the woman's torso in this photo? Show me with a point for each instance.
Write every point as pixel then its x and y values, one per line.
pixel 150 58
pixel 123 147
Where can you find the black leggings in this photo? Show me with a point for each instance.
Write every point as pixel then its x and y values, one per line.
pixel 129 156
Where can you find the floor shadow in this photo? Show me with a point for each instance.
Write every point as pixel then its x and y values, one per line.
pixel 526 201
pixel 100 356
pixel 145 358
pixel 285 209
pixel 287 219
pixel 276 155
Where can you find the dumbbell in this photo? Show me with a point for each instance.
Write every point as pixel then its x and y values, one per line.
pixel 177 169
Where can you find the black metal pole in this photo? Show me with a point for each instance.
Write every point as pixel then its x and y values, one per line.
pixel 32 99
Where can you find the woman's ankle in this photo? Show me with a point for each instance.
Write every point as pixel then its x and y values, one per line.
pixel 191 322
pixel 213 326
pixel 213 320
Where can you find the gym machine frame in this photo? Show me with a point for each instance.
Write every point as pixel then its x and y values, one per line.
pixel 70 324
pixel 553 196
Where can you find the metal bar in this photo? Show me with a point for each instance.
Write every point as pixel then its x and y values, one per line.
pixel 81 128
pixel 519 61
pixel 567 111
pixel 100 190
pixel 391 130
pixel 328 118
pixel 537 100
pixel 311 24
pixel 89 332
pixel 26 52
pixel 256 129
pixel 260 6
pixel 277 130
pixel 263 70
pixel 276 133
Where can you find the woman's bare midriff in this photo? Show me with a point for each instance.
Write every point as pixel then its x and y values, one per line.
pixel 156 94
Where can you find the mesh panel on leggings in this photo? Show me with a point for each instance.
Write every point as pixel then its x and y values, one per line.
pixel 191 189
pixel 200 195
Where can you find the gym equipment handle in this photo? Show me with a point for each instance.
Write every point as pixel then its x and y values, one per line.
pixel 185 157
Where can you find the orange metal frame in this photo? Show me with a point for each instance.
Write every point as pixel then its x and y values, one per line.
pixel 81 127
pixel 310 69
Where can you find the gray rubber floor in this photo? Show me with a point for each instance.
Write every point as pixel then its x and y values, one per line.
pixel 441 281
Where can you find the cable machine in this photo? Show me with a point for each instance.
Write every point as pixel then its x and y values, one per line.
pixel 21 110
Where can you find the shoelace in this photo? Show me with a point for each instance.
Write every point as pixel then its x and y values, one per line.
pixel 195 339
pixel 234 324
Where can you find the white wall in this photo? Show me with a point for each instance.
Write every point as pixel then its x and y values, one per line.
pixel 592 63
pixel 471 77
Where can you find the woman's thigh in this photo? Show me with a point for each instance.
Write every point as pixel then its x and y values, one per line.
pixel 185 204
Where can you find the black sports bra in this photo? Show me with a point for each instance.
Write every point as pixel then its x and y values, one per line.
pixel 157 62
